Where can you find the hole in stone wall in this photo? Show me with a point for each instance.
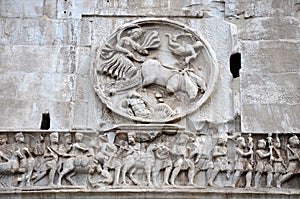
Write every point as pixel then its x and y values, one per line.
pixel 45 123
pixel 235 64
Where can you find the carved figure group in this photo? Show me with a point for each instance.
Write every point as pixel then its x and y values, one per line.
pixel 160 161
pixel 131 62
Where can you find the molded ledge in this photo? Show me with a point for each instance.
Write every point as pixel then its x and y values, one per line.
pixel 216 193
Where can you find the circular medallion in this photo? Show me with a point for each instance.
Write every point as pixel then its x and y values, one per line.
pixel 154 70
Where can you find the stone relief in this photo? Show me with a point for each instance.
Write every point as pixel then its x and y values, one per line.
pixel 154 71
pixel 119 158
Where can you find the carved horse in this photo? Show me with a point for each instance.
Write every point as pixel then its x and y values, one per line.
pixel 135 161
pixel 172 79
pixel 12 165
pixel 30 164
pixel 78 164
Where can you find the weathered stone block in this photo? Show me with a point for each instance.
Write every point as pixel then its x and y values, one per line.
pixel 35 59
pixel 272 118
pixel 39 31
pixel 270 56
pixel 73 9
pixel 28 9
pixel 271 28
pixel 25 114
pixel 83 60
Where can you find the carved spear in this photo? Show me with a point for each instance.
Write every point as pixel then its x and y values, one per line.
pixel 269 138
pixel 250 145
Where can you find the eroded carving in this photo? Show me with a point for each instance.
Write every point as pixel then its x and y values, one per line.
pixel 293 157
pixel 145 59
pixel 138 158
pixel 243 162
pixel 220 160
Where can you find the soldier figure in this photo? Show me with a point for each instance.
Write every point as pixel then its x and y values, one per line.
pixel 242 163
pixel 293 155
pixel 278 162
pixel 183 162
pixel 263 163
pixel 163 161
pixel 220 160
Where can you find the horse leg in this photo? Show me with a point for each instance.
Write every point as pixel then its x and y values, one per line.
pixel 69 179
pixel 123 173
pixel 40 175
pixel 23 179
pixel 67 167
pixel 131 177
pixel 65 171
pixel 117 174
pixel 148 175
pixel 29 172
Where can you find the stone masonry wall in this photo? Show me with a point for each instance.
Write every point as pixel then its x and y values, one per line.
pixel 45 58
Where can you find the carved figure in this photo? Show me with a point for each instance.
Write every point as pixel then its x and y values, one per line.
pixel 153 72
pixel 263 163
pixel 278 161
pixel 136 159
pixel 139 57
pixel 197 154
pixel 9 160
pixel 242 163
pixel 81 161
pixel 136 106
pixel 220 160
pixel 185 50
pixel 109 155
pixel 27 163
pixel 51 158
pixel 66 146
pixel 4 157
pixel 182 161
pixel 119 63
pixel 162 161
pixel 293 156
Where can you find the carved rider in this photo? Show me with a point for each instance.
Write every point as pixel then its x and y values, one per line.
pixel 4 157
pixel 111 161
pixel 50 159
pixel 66 146
pixel 131 41
pixel 25 150
pixel 162 161
pixel 80 151
pixel 293 155
pixel 182 161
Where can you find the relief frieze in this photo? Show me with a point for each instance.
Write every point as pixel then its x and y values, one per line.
pixel 128 158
